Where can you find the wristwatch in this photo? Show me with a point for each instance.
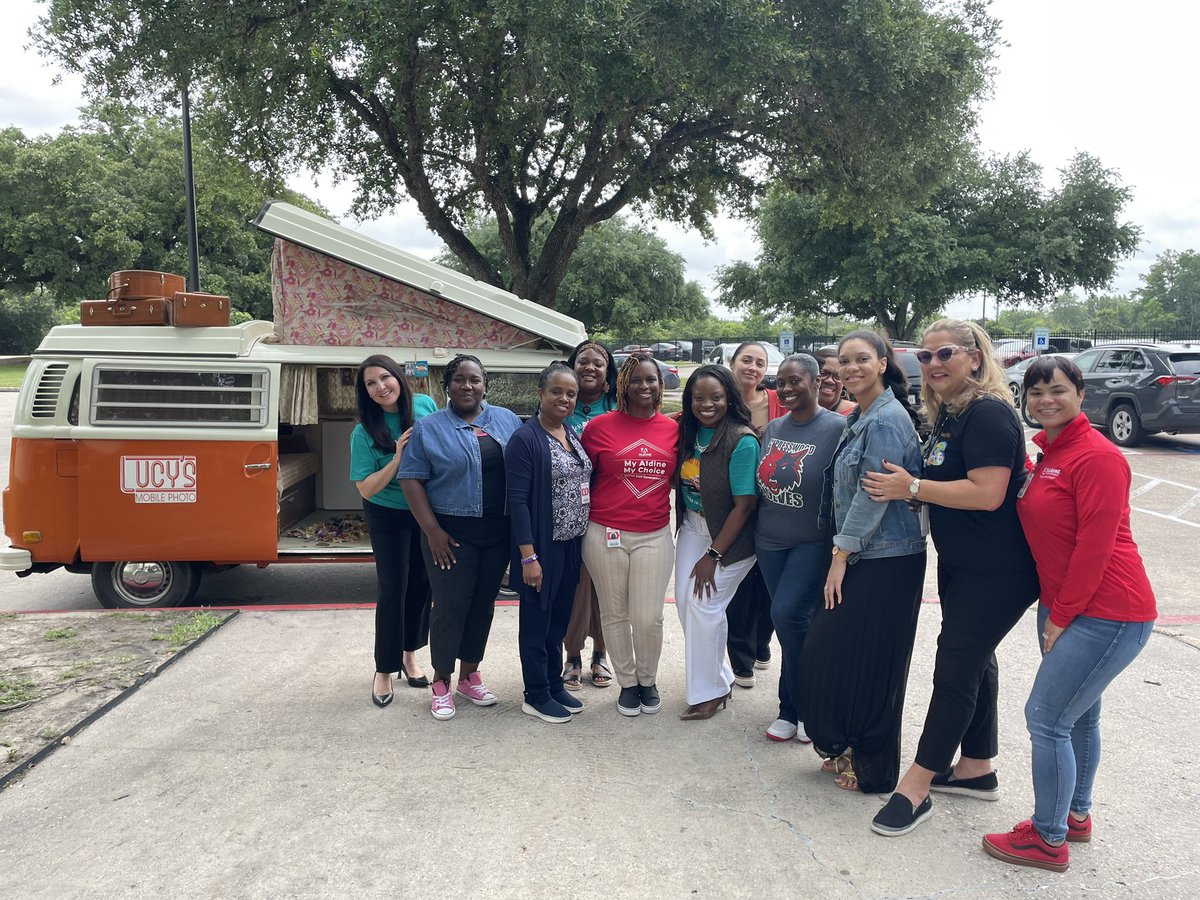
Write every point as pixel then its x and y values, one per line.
pixel 839 553
pixel 915 487
pixel 713 553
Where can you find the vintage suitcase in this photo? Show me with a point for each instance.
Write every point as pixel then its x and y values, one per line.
pixel 196 310
pixel 141 284
pixel 122 312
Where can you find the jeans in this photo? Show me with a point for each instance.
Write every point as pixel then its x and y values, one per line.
pixel 795 578
pixel 1063 713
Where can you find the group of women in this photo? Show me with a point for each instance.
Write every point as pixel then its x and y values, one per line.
pixel 823 491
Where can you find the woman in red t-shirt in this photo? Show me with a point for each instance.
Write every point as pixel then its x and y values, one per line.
pixel 628 547
pixel 1096 612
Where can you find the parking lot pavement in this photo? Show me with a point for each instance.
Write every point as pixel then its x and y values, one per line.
pixel 257 767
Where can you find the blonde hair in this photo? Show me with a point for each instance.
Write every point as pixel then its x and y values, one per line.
pixel 986 381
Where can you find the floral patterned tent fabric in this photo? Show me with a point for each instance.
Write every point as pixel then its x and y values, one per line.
pixel 319 300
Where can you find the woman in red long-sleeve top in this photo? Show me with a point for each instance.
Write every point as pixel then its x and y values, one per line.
pixel 1096 613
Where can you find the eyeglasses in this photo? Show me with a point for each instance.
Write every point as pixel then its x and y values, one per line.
pixel 829 376
pixel 945 354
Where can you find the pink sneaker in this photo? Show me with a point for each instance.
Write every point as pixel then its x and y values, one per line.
pixel 473 688
pixel 442 705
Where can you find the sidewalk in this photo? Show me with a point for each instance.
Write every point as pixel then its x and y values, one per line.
pixel 257 767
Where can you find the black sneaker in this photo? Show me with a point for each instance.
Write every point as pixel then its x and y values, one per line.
pixel 573 704
pixel 650 703
pixel 629 703
pixel 982 787
pixel 899 817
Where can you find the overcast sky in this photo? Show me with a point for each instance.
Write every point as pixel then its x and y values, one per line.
pixel 1113 79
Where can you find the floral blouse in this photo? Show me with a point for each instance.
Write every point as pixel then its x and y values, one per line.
pixel 570 477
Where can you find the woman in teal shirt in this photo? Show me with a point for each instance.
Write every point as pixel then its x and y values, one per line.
pixel 386 412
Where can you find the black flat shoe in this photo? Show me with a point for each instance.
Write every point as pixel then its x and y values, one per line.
pixel 421 682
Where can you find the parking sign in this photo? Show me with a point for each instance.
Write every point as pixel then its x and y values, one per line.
pixel 787 340
pixel 1041 339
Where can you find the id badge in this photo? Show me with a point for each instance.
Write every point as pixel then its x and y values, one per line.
pixel 612 537
pixel 585 494
pixel 1025 486
pixel 923 518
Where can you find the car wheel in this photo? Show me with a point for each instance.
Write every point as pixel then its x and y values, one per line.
pixel 130 584
pixel 1124 427
pixel 1029 420
pixel 1015 390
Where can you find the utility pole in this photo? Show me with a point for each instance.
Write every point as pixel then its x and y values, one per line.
pixel 189 195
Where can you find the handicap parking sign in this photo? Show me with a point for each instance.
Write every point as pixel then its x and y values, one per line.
pixel 1041 339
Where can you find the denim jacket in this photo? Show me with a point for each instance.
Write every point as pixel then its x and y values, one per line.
pixel 862 526
pixel 443 452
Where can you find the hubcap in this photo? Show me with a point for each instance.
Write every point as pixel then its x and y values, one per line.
pixel 1122 425
pixel 141 582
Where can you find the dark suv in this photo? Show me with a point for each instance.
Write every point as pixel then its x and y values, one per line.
pixel 1135 389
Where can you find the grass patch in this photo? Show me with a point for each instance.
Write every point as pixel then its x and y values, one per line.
pixel 76 670
pixel 59 634
pixel 671 406
pixel 14 691
pixel 48 734
pixel 130 616
pixel 11 375
pixel 191 629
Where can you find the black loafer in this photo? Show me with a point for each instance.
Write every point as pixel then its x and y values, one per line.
pixel 899 817
pixel 981 787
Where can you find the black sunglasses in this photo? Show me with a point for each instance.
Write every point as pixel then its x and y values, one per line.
pixel 945 354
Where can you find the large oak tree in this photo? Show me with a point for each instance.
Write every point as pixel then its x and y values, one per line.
pixel 563 109
pixel 990 227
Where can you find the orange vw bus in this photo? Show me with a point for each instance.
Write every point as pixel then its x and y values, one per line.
pixel 144 455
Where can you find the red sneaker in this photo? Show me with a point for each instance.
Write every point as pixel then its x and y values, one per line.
pixel 1077 832
pixel 1023 846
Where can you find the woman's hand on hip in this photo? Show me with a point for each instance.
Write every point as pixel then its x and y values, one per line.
pixel 441 549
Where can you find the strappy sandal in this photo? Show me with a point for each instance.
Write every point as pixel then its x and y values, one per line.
pixel 603 678
pixel 836 765
pixel 571 673
pixel 845 777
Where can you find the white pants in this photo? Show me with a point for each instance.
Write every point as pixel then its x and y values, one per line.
pixel 705 629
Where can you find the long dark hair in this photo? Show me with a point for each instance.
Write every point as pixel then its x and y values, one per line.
pixel 610 369
pixel 370 413
pixel 893 376
pixel 688 423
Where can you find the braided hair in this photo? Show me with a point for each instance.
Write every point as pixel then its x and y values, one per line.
pixel 452 367
pixel 626 375
pixel 610 368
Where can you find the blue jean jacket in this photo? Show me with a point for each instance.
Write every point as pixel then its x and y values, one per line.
pixel 862 526
pixel 443 452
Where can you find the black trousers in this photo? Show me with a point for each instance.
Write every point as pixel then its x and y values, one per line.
pixel 402 599
pixel 543 622
pixel 978 610
pixel 464 597
pixel 750 625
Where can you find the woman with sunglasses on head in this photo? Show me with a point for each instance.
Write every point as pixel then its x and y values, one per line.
pixel 850 684
pixel 549 478
pixel 1096 613
pixel 714 510
pixel 387 409
pixel 597 373
pixel 830 395
pixel 627 546
pixel 974 466
pixel 749 613
pixel 453 476
pixel 791 544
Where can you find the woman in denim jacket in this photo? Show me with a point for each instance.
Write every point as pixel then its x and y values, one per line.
pixel 452 473
pixel 850 689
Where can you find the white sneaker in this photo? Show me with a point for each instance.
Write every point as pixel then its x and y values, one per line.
pixel 801 735
pixel 442 705
pixel 744 681
pixel 782 730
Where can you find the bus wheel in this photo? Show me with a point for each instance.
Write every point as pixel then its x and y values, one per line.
pixel 129 584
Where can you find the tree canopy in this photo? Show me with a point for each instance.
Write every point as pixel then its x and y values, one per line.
pixel 561 111
pixel 1173 282
pixel 621 279
pixel 990 227
pixel 109 196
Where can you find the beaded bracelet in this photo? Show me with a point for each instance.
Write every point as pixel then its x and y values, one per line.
pixel 529 559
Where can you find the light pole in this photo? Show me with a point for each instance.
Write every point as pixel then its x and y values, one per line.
pixel 189 195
